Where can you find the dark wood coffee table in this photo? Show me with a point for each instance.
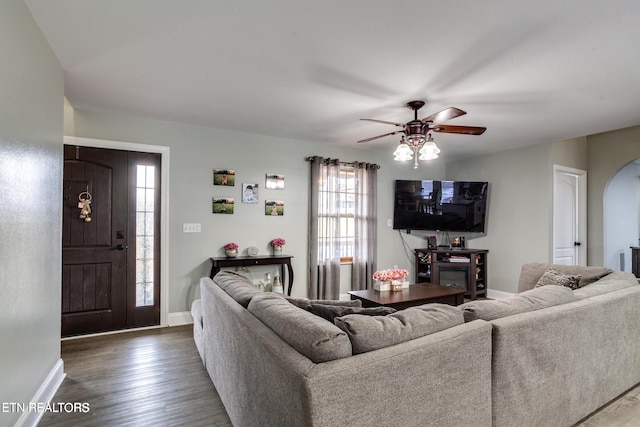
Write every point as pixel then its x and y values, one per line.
pixel 418 294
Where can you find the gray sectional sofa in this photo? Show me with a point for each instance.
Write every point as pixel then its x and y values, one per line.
pixel 549 355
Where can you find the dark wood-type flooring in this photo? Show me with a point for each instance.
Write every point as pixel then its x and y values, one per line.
pixel 153 377
pixel 156 378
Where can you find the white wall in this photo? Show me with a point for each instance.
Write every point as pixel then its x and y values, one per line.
pixel 31 89
pixel 197 150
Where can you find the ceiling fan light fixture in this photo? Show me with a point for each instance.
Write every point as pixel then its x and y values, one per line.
pixel 430 150
pixel 403 152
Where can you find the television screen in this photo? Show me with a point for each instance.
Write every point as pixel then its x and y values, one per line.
pixel 440 205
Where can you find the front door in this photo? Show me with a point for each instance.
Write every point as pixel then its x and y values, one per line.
pixel 110 256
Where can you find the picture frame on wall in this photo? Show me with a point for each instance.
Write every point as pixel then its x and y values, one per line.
pixel 249 193
pixel 274 181
pixel 224 177
pixel 222 205
pixel 274 207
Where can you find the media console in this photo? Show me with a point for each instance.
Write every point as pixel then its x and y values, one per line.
pixel 464 269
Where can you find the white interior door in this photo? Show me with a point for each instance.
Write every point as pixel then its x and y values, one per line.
pixel 569 216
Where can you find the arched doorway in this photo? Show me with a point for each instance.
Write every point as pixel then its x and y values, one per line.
pixel 621 216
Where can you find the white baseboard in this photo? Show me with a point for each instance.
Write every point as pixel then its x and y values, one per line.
pixel 180 318
pixel 493 294
pixel 44 395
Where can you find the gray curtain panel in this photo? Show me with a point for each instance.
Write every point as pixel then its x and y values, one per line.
pixel 366 226
pixel 324 222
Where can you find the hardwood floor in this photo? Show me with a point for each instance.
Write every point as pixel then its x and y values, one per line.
pixel 147 378
pixel 156 378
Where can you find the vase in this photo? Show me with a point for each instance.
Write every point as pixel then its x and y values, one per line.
pixel 231 253
pixel 277 250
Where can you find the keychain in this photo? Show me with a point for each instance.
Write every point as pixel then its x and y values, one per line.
pixel 85 206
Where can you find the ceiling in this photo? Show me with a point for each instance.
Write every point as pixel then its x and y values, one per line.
pixel 530 71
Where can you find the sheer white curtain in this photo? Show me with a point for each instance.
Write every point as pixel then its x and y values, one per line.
pixel 365 225
pixel 324 229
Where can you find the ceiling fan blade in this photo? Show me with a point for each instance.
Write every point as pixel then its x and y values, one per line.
pixel 444 115
pixel 380 136
pixel 385 122
pixel 467 130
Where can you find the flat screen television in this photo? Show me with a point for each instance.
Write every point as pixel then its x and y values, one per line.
pixel 459 206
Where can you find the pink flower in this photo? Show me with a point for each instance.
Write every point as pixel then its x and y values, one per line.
pixel 390 274
pixel 278 241
pixel 231 246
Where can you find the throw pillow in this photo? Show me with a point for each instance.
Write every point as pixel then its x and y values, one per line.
pixel 310 335
pixel 305 303
pixel 369 333
pixel 330 312
pixel 554 277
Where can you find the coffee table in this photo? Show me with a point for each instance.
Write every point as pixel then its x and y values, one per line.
pixel 418 294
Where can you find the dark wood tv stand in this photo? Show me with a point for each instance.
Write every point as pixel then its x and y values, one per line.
pixel 464 269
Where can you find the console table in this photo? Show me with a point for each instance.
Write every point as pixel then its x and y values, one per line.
pixel 250 261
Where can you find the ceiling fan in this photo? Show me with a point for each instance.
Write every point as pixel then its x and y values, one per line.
pixel 420 128
pixel 418 139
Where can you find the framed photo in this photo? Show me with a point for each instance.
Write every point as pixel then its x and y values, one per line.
pixel 224 177
pixel 274 182
pixel 249 193
pixel 222 205
pixel 274 207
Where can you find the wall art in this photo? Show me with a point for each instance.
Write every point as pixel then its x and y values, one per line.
pixel 224 177
pixel 274 207
pixel 223 205
pixel 274 182
pixel 249 193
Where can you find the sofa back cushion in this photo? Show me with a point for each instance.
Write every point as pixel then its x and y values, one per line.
pixel 532 272
pixel 369 333
pixel 237 286
pixel 534 299
pixel 312 336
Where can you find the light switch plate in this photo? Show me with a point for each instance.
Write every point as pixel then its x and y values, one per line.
pixel 191 228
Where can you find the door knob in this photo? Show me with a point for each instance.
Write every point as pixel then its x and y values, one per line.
pixel 120 247
pixel 576 243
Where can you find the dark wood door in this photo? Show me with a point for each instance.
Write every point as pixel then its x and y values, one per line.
pixel 99 249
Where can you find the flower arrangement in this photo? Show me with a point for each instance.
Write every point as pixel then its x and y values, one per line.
pixel 390 274
pixel 278 241
pixel 231 247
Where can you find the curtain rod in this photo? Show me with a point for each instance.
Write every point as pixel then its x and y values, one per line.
pixel 310 158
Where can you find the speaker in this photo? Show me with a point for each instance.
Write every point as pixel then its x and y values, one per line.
pixel 432 242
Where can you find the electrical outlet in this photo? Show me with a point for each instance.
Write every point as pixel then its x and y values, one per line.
pixel 389 223
pixel 191 228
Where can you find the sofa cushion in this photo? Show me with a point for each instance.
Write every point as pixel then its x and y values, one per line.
pixel 237 286
pixel 534 299
pixel 369 333
pixel 310 335
pixel 612 282
pixel 330 312
pixel 553 277
pixel 531 273
pixel 305 303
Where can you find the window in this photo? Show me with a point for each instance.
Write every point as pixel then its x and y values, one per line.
pixel 343 220
pixel 145 211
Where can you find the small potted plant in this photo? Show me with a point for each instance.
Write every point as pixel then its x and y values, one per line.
pixel 231 250
pixel 277 245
